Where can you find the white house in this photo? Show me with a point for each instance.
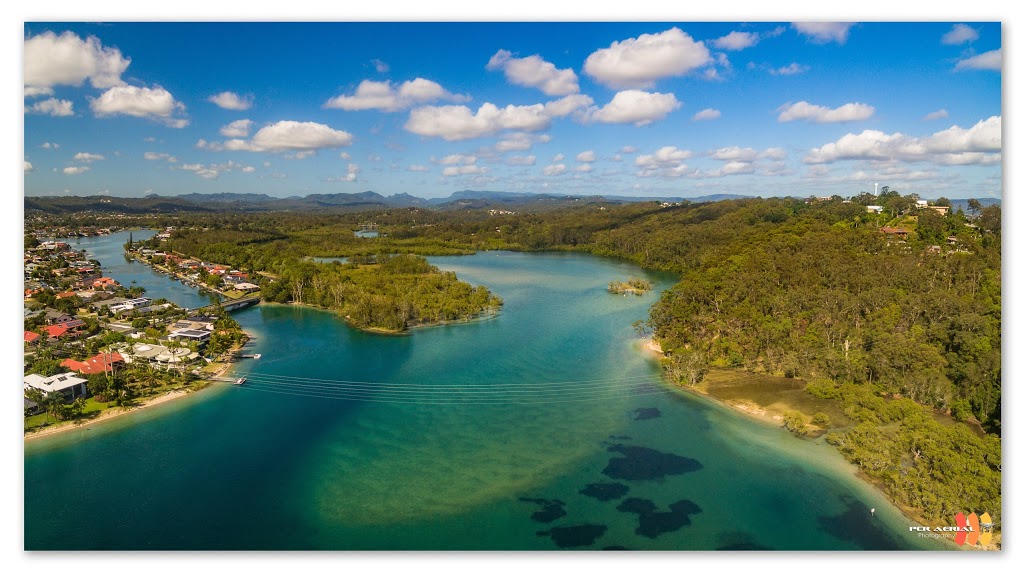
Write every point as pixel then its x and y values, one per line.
pixel 69 384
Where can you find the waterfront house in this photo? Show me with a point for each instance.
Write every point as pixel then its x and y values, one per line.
pixel 100 363
pixel 246 287
pixel 104 283
pixel 68 384
pixel 235 277
pixel 200 336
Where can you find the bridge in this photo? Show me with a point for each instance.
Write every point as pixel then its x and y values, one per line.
pixel 230 305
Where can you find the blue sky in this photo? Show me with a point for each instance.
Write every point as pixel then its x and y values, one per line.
pixel 645 109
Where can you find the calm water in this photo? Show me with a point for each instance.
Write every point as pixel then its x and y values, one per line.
pixel 109 250
pixel 471 436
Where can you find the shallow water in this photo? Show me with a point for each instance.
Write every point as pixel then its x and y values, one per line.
pixel 468 436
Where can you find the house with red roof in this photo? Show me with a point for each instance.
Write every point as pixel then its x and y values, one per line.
pixel 104 282
pixel 99 363
pixel 71 329
pixel 31 337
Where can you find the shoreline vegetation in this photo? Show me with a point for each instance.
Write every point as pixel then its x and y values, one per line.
pixel 111 411
pixel 635 286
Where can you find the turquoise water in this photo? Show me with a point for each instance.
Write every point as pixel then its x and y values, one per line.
pixel 477 435
pixel 109 250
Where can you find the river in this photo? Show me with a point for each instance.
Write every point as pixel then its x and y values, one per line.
pixel 545 427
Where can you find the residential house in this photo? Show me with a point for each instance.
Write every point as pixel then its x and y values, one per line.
pixel 104 283
pixel 246 287
pixel 874 209
pixel 100 363
pixel 200 336
pixel 71 329
pixel 56 317
pixel 235 277
pixel 68 384
pixel 31 337
pixel 898 232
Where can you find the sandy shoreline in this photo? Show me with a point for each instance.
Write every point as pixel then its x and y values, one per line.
pixel 108 414
pixel 115 412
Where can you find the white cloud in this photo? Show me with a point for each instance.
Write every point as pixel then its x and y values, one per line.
pixel 586 156
pixel 237 129
pixel 159 156
pixel 35 91
pixel 50 146
pixel 87 157
pixel 667 161
pixel 707 114
pixel 231 101
pixel 521 160
pixel 380 66
pixel 735 153
pixel 823 32
pixel 418 168
pixel 52 60
pixel 350 176
pixel 372 95
pixel 773 154
pixel 992 60
pixel 28 166
pixel 520 141
pixel 980 144
pixel 461 123
pixel 789 70
pixel 638 62
pixel 73 170
pixel 941 113
pixel 301 139
pixel 820 114
pixel 535 72
pixel 554 169
pixel 153 103
pixel 557 158
pixel 960 34
pixel 736 40
pixel 732 168
pixel 52 107
pixel 583 168
pixel 628 149
pixel 463 170
pixel 249 169
pixel 452 159
pixel 635 107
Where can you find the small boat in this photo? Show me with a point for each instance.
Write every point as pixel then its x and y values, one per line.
pixel 256 356
pixel 240 381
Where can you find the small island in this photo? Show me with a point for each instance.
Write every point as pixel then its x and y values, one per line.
pixel 634 285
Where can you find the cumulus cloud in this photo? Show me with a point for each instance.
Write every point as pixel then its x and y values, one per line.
pixel 461 123
pixel 960 34
pixel 74 170
pixel 300 139
pixel 87 157
pixel 638 62
pixel 820 114
pixel 213 171
pixel 51 107
pixel 635 107
pixel 554 169
pixel 372 95
pixel 773 154
pixel 789 70
pixel 418 168
pixel 67 59
pixel 159 156
pixel 557 158
pixel 584 168
pixel 979 144
pixel 50 146
pixel 941 113
pixel 351 175
pixel 824 32
pixel 992 60
pixel 731 168
pixel 28 166
pixel 380 66
pixel 628 149
pixel 520 141
pixel 707 114
pixel 231 101
pixel 453 159
pixel 667 161
pixel 463 170
pixel 736 40
pixel 521 160
pixel 36 91
pixel 152 103
pixel 586 156
pixel 734 153
pixel 237 129
pixel 535 72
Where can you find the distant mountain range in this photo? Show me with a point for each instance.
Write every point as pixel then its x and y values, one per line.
pixel 461 200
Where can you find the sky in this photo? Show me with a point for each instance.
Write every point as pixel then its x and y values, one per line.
pixel 639 109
